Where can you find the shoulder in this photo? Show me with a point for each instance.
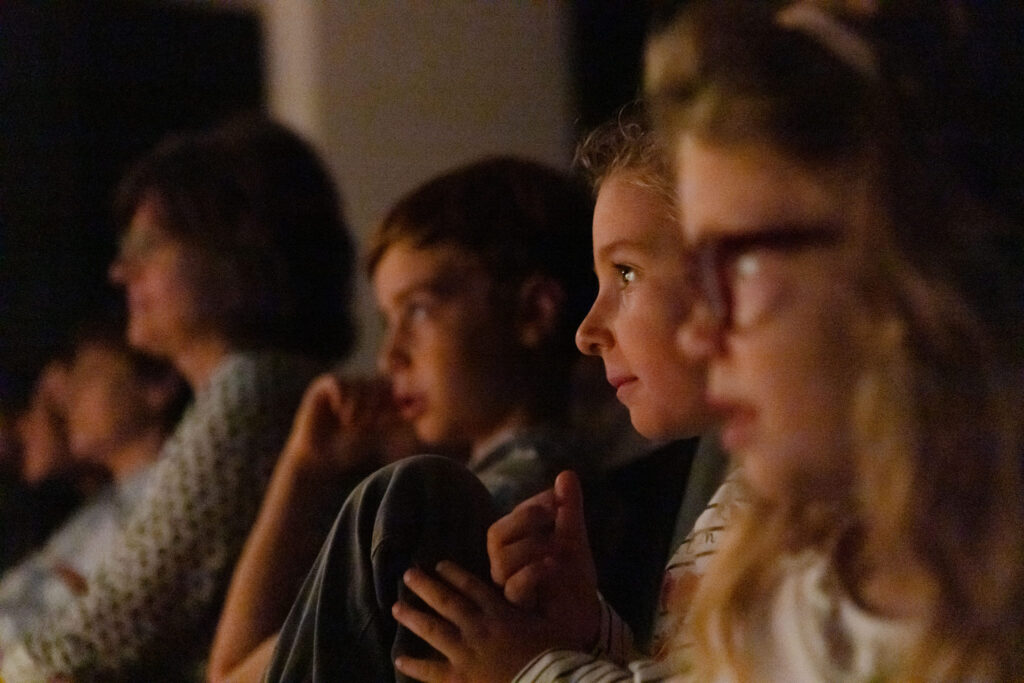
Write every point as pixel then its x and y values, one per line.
pixel 264 368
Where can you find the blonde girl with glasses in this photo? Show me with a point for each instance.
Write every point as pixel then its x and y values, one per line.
pixel 851 194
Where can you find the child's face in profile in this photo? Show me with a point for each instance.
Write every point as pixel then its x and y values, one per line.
pixel 447 345
pixel 775 321
pixel 643 298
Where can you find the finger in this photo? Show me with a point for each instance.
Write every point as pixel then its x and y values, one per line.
pixel 508 560
pixel 522 588
pixel 530 520
pixel 438 633
pixel 442 598
pixel 426 670
pixel 570 525
pixel 483 594
pixel 518 522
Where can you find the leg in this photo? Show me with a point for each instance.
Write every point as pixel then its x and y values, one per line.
pixel 415 512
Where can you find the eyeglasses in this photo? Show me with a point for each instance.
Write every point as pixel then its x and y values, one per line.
pixel 741 276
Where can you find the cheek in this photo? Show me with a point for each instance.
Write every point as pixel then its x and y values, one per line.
pixel 802 387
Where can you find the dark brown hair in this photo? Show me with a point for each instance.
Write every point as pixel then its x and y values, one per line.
pixel 520 217
pixel 256 206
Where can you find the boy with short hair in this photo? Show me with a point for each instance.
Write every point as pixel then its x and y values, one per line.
pixel 481 275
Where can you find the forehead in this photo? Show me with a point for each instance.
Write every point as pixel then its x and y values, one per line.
pixel 731 189
pixel 627 212
pixel 405 268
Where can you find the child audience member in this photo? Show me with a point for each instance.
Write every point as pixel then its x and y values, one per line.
pixel 120 406
pixel 646 508
pixel 860 310
pixel 854 197
pixel 640 260
pixel 480 274
pixel 236 266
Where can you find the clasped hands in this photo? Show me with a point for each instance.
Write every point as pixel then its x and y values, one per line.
pixel 544 595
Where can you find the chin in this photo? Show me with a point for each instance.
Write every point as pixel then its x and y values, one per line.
pixel 655 429
pixel 428 434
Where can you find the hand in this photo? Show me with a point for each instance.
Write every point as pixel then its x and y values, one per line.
pixel 540 555
pixel 347 424
pixel 482 637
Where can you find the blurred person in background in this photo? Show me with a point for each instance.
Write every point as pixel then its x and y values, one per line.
pixel 43 482
pixel 120 405
pixel 236 265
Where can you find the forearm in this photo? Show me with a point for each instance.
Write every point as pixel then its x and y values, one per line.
pixel 253 668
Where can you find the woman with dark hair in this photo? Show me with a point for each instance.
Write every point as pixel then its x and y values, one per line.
pixel 236 265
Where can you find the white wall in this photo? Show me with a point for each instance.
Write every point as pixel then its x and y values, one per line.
pixel 394 91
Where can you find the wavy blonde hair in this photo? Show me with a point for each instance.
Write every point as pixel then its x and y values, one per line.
pixel 903 94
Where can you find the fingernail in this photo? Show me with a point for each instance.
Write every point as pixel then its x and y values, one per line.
pixel 400 662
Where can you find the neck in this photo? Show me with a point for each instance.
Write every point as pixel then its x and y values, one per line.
pixel 134 455
pixel 515 421
pixel 197 362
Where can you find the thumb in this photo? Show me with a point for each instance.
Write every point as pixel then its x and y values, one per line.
pixel 570 525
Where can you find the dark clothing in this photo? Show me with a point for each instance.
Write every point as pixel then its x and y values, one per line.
pixel 415 512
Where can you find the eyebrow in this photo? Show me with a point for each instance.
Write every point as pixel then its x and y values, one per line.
pixel 645 245
pixel 441 285
pixel 785 236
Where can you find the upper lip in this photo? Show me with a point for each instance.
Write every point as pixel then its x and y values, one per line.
pixel 618 380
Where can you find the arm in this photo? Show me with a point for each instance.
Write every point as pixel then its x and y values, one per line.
pixel 253 667
pixel 337 437
pixel 150 603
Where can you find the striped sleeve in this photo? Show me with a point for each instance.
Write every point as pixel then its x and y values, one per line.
pixel 565 666
pixel 614 640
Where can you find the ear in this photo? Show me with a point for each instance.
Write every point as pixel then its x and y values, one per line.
pixel 541 299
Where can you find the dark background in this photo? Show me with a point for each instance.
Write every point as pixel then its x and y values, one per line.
pixel 86 87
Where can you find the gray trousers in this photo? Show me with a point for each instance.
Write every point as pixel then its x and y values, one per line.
pixel 413 513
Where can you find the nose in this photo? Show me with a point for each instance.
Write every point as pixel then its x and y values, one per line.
pixel 392 355
pixel 593 336
pixel 700 336
pixel 118 271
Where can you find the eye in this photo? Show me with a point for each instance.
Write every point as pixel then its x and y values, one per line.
pixel 626 273
pixel 747 265
pixel 417 310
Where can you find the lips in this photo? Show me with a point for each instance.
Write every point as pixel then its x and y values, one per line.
pixel 410 406
pixel 622 384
